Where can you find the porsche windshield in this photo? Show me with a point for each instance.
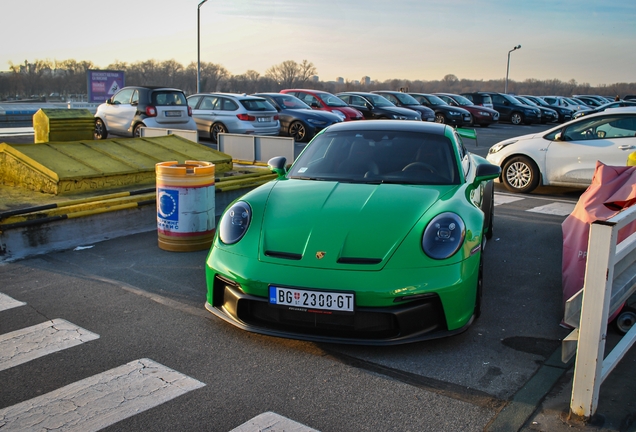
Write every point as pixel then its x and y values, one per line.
pixel 378 157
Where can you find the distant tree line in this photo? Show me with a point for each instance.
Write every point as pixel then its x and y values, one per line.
pixel 67 79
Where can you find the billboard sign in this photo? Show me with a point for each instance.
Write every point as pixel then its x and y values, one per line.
pixel 102 84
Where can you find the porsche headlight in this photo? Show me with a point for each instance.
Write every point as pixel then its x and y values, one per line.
pixel 443 236
pixel 235 222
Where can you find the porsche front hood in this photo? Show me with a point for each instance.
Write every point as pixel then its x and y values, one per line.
pixel 324 224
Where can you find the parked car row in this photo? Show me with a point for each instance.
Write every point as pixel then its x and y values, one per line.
pixel 302 113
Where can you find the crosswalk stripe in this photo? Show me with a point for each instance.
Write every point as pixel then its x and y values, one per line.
pixel 270 421
pixel 557 208
pixel 27 344
pixel 506 199
pixel 7 302
pixel 101 400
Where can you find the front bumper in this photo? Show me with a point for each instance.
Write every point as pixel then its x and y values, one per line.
pixel 440 305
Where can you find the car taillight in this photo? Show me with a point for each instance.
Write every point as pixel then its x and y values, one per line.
pixel 246 117
pixel 275 117
pixel 189 111
pixel 151 111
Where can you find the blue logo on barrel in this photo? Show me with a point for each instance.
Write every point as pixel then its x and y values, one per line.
pixel 168 204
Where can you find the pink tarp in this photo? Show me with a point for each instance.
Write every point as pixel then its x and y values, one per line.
pixel 613 189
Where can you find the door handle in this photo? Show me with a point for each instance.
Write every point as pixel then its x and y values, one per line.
pixel 625 147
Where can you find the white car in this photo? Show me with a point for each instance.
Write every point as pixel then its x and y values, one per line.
pixel 134 107
pixel 566 155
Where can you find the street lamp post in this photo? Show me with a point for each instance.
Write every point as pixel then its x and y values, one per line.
pixel 508 67
pixel 199 46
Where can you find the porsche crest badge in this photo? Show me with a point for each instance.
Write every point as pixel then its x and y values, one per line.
pixel 320 254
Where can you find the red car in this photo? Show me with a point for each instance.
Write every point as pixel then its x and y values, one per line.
pixel 324 101
pixel 482 115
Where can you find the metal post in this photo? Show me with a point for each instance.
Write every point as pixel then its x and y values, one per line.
pixel 199 46
pixel 508 67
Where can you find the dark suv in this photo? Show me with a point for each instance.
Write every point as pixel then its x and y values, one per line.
pixel 479 99
pixel 512 110
pixel 132 108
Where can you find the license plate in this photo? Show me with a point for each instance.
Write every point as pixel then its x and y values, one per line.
pixel 308 300
pixel 263 119
pixel 173 113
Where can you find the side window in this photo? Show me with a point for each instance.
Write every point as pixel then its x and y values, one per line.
pixel 123 97
pixel 616 127
pixel 193 101
pixel 229 105
pixel 391 98
pixel 497 99
pixel 216 103
pixel 469 97
pixel 463 154
pixel 207 103
pixel 135 97
pixel 346 98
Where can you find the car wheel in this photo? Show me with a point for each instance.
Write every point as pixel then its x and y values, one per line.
pixel 439 118
pixel 516 118
pixel 137 130
pixel 480 283
pixel 625 320
pixel 298 131
pixel 488 207
pixel 100 130
pixel 215 130
pixel 520 174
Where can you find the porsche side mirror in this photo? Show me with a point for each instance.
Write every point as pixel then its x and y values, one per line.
pixel 277 165
pixel 487 171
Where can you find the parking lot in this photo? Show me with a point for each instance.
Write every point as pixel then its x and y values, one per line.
pixel 146 303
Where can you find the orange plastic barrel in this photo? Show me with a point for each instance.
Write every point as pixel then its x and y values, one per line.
pixel 185 205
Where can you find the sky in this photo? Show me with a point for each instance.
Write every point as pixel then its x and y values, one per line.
pixel 589 41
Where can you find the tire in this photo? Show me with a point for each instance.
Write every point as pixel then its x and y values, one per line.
pixel 516 118
pixel 215 130
pixel 520 174
pixel 625 320
pixel 100 130
pixel 488 207
pixel 137 130
pixel 439 118
pixel 298 131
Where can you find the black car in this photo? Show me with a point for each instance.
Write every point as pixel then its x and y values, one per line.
pixel 374 106
pixel 548 115
pixel 618 104
pixel 512 110
pixel 444 113
pixel 482 116
pixel 565 114
pixel 404 100
pixel 297 119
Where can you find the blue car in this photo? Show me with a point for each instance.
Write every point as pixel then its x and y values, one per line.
pixel 297 119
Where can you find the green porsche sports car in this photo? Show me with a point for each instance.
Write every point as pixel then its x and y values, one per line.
pixel 373 236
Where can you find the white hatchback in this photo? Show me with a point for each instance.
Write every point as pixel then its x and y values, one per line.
pixel 566 155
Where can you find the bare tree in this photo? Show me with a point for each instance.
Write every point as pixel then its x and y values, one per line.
pixel 289 73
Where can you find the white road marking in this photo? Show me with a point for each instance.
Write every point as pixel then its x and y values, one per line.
pixel 7 302
pixel 101 400
pixel 33 342
pixel 557 208
pixel 506 199
pixel 272 422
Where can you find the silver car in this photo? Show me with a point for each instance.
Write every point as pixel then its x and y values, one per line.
pixel 216 113
pixel 135 107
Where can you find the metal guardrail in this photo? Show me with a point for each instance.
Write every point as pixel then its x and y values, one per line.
pixel 610 279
